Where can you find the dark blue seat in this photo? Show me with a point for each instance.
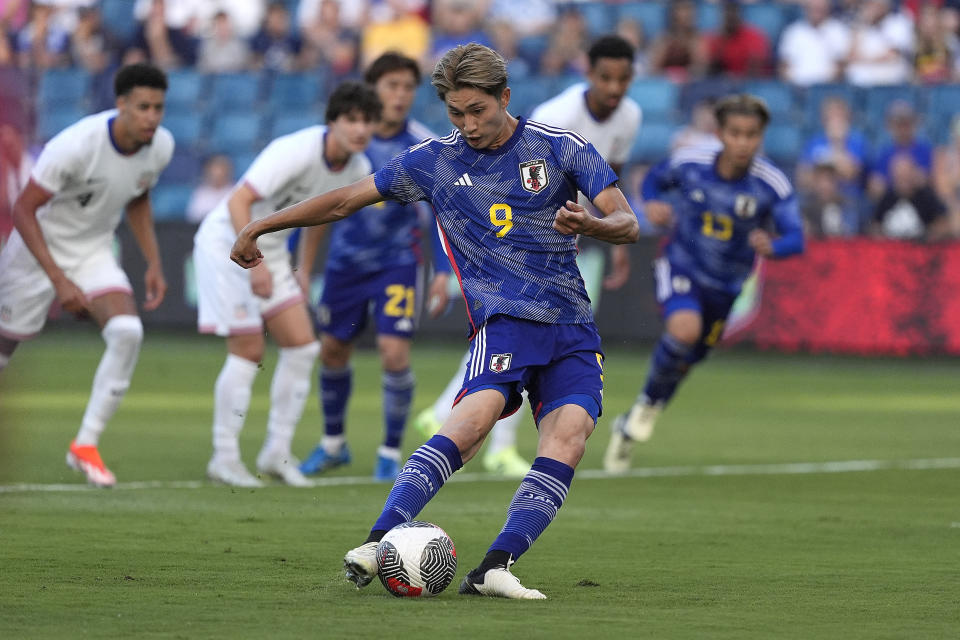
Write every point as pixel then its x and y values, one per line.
pixel 783 143
pixel 64 87
pixel 651 15
pixel 170 201
pixel 653 142
pixel 295 91
pixel 234 132
pixel 284 123
pixel 658 97
pixel 598 16
pixel 185 89
pixel 187 128
pixel 117 16
pixel 769 17
pixel 877 101
pixel 185 167
pixel 234 92
pixel 53 119
pixel 780 97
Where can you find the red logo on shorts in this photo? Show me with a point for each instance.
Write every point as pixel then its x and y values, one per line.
pixel 500 362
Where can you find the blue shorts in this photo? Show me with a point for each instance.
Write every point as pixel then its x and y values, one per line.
pixel 678 291
pixel 348 300
pixel 557 364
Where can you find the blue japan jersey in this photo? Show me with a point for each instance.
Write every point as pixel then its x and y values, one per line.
pixel 495 209
pixel 387 234
pixel 713 217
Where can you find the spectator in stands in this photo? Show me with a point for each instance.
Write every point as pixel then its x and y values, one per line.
pixel 275 46
pixel 702 130
pixel 524 19
pixel 166 46
pixel 902 127
pixel 395 25
pixel 946 174
pixel 196 16
pixel 216 185
pixel 14 15
pixel 910 209
pixel 881 45
pixel 937 47
pixel 738 49
pixel 826 211
pixel 221 51
pixel 40 44
pixel 15 167
pixel 812 50
pixel 568 44
pixel 329 41
pixel 91 45
pixel 456 22
pixel 632 31
pixel 680 51
pixel 352 15
pixel 838 144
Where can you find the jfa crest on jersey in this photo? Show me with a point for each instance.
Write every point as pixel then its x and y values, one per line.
pixel 500 362
pixel 533 175
pixel 495 209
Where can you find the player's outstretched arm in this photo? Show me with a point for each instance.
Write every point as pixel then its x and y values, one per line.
pixel 618 224
pixel 327 207
pixel 33 197
pixel 140 218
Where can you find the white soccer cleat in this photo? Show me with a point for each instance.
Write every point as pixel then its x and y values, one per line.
pixel 641 420
pixel 360 564
pixel 620 448
pixel 231 472
pixel 498 583
pixel 283 466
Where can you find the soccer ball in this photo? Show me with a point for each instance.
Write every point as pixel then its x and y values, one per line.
pixel 416 559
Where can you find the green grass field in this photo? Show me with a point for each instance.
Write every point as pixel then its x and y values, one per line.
pixel 713 537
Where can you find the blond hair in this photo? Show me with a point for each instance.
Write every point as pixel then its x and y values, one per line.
pixel 470 65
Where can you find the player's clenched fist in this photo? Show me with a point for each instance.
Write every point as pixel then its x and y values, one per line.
pixel 571 219
pixel 659 213
pixel 245 252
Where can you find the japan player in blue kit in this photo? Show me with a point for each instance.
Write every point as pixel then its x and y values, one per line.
pixel 720 203
pixel 504 193
pixel 373 266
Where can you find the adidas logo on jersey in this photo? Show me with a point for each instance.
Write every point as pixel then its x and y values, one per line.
pixel 464 181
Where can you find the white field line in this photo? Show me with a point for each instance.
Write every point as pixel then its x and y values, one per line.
pixel 790 468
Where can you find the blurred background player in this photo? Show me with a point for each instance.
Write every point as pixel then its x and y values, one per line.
pixel 601 112
pixel 236 304
pixel 62 247
pixel 374 268
pixel 724 201
pixel 530 318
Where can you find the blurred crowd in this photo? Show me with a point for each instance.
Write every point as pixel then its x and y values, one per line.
pixel 903 187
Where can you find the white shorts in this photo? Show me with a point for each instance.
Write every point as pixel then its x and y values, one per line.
pixel 26 292
pixel 226 305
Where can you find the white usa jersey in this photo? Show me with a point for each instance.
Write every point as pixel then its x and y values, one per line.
pixel 612 138
pixel 289 170
pixel 92 182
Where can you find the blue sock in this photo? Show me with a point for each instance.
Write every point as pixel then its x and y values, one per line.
pixel 422 475
pixel 397 396
pixel 335 386
pixel 669 366
pixel 534 506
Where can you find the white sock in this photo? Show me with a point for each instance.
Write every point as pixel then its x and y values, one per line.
pixel 288 394
pixel 4 360
pixel 504 433
pixel 443 407
pixel 389 452
pixel 123 335
pixel 332 444
pixel 231 399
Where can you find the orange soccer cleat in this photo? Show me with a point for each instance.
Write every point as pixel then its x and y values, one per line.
pixel 87 459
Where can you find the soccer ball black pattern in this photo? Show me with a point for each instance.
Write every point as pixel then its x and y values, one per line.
pixel 416 559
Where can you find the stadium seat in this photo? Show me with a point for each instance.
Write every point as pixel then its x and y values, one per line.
pixel 184 90
pixel 536 90
pixel 779 96
pixel 651 15
pixel 234 132
pixel 242 161
pixel 656 96
pixel 768 17
pixel 64 87
pixel 170 201
pixel 708 16
pixel 878 99
pixel 53 119
pixel 296 91
pixel 187 128
pixel 944 99
pixel 234 92
pixel 653 142
pixel 185 167
pixel 783 143
pixel 531 49
pixel 598 17
pixel 117 16
pixel 284 123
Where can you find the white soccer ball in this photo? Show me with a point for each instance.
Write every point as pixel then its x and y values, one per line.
pixel 416 559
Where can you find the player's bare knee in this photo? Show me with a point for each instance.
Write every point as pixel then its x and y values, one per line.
pixel 334 353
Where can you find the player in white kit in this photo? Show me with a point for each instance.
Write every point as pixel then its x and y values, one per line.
pixel 601 112
pixel 237 304
pixel 65 220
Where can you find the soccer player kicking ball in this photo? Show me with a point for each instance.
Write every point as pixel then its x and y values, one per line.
pixel 65 220
pixel 236 304
pixel 724 202
pixel 601 112
pixel 503 191
pixel 373 269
